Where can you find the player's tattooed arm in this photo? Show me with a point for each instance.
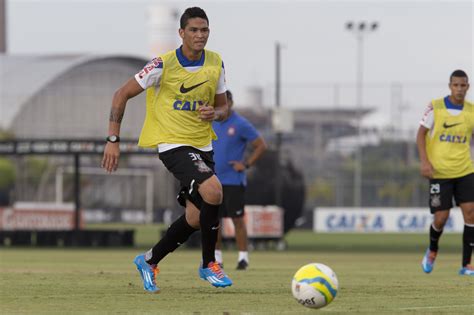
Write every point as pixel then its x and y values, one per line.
pixel 112 149
pixel 221 108
pixel 129 90
pixel 116 115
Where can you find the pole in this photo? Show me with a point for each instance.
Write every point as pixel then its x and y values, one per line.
pixel 277 73
pixel 360 29
pixel 77 191
pixel 359 107
pixel 59 185
pixel 149 198
pixel 278 139
pixel 3 27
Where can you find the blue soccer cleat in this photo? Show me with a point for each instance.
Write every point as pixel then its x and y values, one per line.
pixel 148 274
pixel 467 271
pixel 428 261
pixel 215 275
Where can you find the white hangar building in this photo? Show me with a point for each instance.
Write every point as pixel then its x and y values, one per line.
pixel 66 96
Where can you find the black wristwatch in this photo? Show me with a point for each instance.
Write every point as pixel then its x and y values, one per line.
pixel 113 139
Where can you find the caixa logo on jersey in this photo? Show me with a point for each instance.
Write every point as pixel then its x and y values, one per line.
pixel 187 105
pixel 355 222
pixel 452 138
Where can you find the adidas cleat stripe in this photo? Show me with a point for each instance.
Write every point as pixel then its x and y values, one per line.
pixel 213 279
pixel 148 278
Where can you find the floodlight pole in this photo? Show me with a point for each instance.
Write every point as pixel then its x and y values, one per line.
pixel 360 29
pixel 278 136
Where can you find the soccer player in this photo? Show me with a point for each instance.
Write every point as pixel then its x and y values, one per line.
pixel 443 141
pixel 233 135
pixel 185 93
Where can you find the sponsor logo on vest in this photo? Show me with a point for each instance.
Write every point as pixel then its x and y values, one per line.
pixel 184 90
pixel 187 105
pixel 155 63
pixel 452 138
pixel 445 125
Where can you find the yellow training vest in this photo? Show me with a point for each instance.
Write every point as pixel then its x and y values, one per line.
pixel 448 143
pixel 172 113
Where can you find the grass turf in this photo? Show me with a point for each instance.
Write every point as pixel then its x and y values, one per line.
pixel 98 281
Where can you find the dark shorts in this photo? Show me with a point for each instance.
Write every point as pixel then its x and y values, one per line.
pixel 442 192
pixel 233 201
pixel 191 167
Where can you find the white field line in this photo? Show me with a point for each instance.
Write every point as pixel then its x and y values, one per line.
pixel 434 307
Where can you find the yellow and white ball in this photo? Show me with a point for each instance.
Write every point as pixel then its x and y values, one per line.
pixel 314 285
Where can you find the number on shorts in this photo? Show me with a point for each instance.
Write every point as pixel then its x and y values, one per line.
pixel 195 157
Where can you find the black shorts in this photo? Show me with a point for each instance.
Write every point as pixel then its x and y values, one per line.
pixel 191 167
pixel 233 201
pixel 442 192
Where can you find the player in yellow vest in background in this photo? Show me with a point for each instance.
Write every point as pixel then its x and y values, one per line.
pixel 185 92
pixel 443 141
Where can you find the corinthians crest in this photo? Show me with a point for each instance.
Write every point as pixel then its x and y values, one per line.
pixel 202 167
pixel 435 200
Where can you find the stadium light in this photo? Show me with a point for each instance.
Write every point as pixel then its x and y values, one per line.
pixel 360 30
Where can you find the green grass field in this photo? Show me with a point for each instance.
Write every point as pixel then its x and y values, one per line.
pixel 377 274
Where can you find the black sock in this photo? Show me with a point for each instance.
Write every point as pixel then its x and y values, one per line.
pixel 434 238
pixel 177 234
pixel 467 244
pixel 209 229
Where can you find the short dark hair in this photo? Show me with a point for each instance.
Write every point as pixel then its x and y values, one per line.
pixel 228 93
pixel 458 74
pixel 190 13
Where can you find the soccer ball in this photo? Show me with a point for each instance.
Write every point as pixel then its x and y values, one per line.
pixel 314 285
